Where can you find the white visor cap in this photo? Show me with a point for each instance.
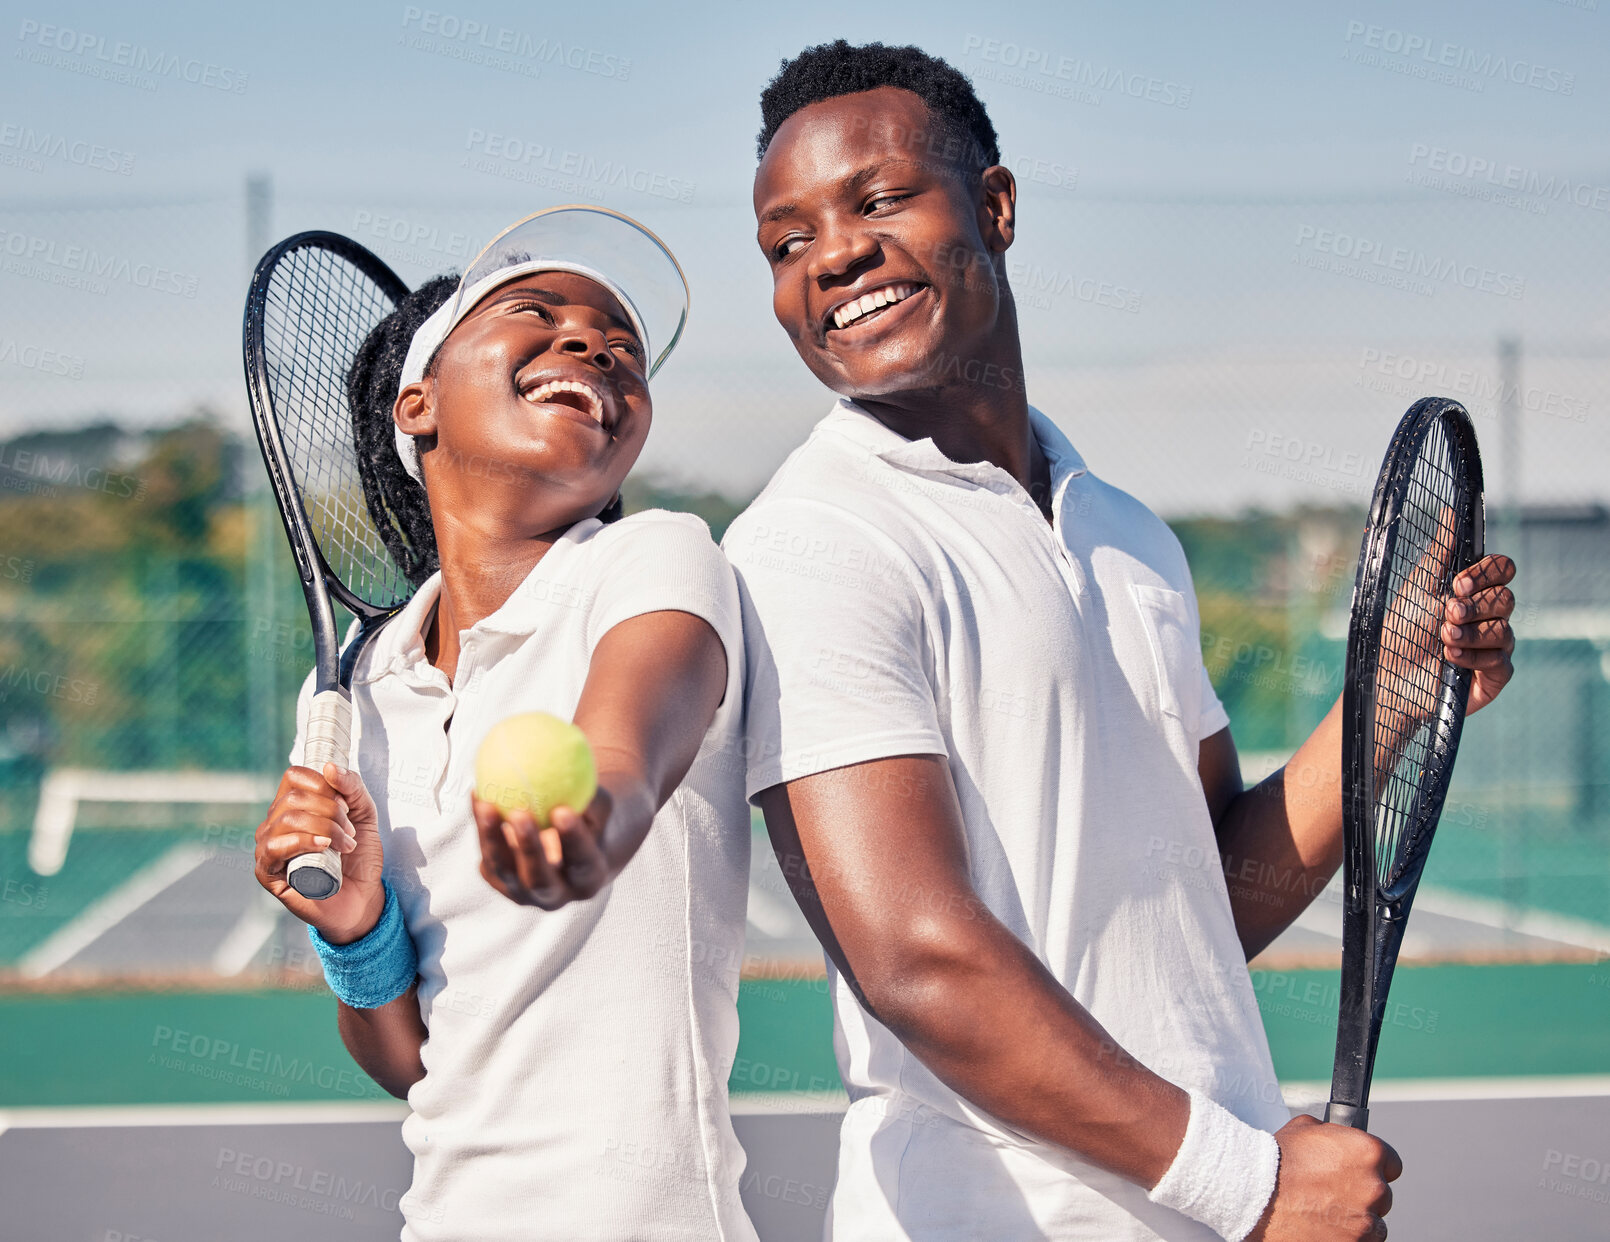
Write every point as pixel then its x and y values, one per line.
pixel 604 246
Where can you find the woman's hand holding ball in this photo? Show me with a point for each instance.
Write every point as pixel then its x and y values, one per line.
pixel 540 813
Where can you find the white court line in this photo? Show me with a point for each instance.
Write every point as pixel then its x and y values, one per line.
pixel 1393 1090
pixel 1323 917
pixel 770 917
pixel 66 942
pixel 794 1103
pixel 1523 919
pixel 63 789
pixel 1298 1095
pixel 340 1112
pixel 1487 912
pixel 249 934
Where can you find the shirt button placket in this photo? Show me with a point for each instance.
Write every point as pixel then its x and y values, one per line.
pixel 440 755
pixel 1072 572
pixel 464 677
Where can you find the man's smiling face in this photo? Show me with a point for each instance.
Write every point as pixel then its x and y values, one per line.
pixel 885 257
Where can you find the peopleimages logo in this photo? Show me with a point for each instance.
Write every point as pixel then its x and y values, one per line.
pixel 1526 182
pixel 1036 285
pixel 77 266
pixel 1047 172
pixel 476 41
pixel 1421 56
pixel 412 236
pixel 34 146
pixel 130 64
pixel 23 464
pixel 1582 1177
pixel 34 358
pixel 508 155
pixel 1400 374
pixel 1419 272
pixel 1050 72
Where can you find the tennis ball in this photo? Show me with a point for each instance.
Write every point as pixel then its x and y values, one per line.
pixel 535 762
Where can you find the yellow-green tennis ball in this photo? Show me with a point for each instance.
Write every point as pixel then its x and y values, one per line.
pixel 535 762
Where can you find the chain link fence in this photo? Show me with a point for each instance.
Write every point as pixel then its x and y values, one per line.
pixel 1237 364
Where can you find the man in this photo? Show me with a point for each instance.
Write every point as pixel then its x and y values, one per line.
pixel 981 733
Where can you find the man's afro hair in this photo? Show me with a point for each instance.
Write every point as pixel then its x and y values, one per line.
pixel 829 70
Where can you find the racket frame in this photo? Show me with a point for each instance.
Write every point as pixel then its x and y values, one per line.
pixel 328 735
pixel 1373 918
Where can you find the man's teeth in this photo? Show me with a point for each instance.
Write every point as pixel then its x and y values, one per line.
pixel 545 392
pixel 868 302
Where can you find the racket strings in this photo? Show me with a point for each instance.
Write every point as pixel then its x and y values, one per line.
pixel 318 310
pixel 1415 714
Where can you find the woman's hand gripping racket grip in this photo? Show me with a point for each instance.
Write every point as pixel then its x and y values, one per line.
pixel 329 740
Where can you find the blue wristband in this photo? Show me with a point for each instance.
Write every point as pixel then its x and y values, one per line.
pixel 375 969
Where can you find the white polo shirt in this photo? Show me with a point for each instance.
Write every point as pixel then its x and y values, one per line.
pixel 897 602
pixel 576 1067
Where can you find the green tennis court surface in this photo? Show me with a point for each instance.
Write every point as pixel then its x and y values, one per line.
pixel 1525 888
pixel 198 1031
pixel 271 1045
pixel 34 906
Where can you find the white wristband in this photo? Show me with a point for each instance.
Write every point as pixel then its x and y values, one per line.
pixel 1224 1173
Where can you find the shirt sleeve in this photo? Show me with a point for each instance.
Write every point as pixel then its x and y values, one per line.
pixel 667 562
pixel 837 656
pixel 1212 717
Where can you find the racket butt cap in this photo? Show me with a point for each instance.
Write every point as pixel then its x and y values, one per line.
pixel 311 879
pixel 1347 1115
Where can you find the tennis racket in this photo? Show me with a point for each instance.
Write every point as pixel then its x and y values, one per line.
pixel 313 299
pixel 1403 709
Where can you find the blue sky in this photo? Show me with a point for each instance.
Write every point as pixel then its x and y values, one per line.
pixel 1268 128
pixel 335 101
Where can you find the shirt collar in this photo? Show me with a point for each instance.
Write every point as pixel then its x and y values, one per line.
pixel 923 456
pixel 401 641
pixel 400 645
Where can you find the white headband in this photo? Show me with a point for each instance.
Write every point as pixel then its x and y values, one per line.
pixel 440 325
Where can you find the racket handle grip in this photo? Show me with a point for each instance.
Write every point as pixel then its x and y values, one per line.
pixel 328 740
pixel 1354 1115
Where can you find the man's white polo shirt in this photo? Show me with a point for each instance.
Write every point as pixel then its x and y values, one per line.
pixel 897 602
pixel 576 1068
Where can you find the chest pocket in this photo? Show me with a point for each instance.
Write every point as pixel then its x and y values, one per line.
pixel 1166 616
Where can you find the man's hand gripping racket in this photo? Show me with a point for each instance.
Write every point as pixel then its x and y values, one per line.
pixel 1429 639
pixel 1429 628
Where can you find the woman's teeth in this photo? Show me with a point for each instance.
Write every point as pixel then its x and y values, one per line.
pixel 546 392
pixel 869 302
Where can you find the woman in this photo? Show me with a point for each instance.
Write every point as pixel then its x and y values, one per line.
pixel 565 1046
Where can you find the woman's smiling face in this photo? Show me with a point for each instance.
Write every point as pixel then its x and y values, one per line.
pixel 543 385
